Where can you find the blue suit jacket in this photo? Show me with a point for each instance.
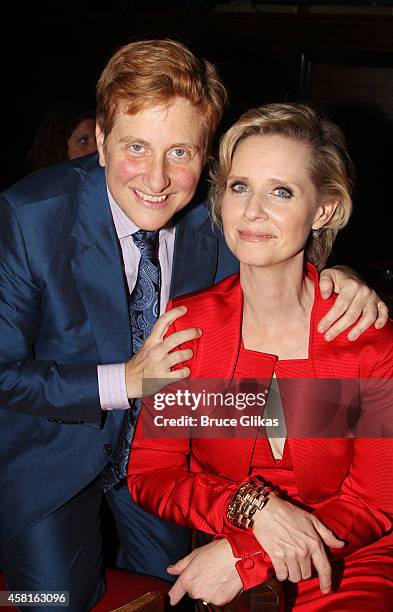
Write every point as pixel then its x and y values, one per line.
pixel 63 310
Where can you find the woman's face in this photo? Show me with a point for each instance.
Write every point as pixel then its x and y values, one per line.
pixel 270 203
pixel 82 140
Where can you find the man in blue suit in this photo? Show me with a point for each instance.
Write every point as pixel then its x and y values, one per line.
pixel 68 264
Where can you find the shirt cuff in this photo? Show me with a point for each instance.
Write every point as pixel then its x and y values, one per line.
pixel 112 386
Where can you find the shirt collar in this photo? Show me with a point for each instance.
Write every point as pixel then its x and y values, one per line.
pixel 124 226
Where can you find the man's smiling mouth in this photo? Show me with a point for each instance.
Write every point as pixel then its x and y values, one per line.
pixel 149 198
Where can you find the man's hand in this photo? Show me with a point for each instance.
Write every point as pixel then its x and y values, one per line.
pixel 354 300
pixel 154 360
pixel 208 573
pixel 293 539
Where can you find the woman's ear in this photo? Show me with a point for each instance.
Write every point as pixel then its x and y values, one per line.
pixel 325 212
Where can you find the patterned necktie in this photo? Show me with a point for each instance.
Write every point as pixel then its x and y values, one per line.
pixel 144 305
pixel 145 299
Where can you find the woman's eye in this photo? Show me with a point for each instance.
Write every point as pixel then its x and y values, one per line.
pixel 283 193
pixel 179 153
pixel 137 148
pixel 238 187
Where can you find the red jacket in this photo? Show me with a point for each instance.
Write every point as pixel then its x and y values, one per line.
pixel 349 479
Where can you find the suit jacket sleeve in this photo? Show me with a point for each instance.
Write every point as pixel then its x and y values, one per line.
pixel 198 500
pixel 66 392
pixel 362 512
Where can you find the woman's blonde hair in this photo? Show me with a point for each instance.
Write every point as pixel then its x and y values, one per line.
pixel 331 167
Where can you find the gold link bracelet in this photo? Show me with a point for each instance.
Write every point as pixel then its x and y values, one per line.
pixel 250 497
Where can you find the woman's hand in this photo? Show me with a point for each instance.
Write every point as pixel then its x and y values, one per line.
pixel 154 360
pixel 293 538
pixel 355 301
pixel 208 573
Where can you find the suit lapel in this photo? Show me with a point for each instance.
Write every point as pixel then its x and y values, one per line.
pixel 195 256
pixel 98 271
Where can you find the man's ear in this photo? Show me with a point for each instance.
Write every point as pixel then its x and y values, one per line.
pixel 100 138
pixel 325 212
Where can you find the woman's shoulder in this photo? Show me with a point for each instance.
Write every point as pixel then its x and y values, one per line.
pixel 378 343
pixel 218 292
pixel 371 335
pixel 371 354
pixel 378 337
pixel 209 308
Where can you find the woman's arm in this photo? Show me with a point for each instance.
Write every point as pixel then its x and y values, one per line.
pixel 363 511
pixel 193 499
pixel 160 481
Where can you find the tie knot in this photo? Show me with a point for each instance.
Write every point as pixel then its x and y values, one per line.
pixel 147 243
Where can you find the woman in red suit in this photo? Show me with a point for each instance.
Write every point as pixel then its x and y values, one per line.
pixel 322 503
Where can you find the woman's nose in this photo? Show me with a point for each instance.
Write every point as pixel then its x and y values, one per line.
pixel 255 208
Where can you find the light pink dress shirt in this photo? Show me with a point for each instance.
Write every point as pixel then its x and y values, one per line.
pixel 111 377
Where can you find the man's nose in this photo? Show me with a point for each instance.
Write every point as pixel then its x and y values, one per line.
pixel 156 177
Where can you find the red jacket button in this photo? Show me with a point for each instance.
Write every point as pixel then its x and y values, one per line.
pixel 248 564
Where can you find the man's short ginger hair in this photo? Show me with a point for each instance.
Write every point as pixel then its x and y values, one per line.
pixel 151 73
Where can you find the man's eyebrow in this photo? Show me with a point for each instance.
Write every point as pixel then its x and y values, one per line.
pixel 130 139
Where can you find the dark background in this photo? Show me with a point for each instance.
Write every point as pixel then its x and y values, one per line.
pixel 339 57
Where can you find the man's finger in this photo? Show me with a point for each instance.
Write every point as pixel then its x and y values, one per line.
pixel 368 317
pixel 326 285
pixel 383 315
pixel 165 321
pixel 176 593
pixel 342 315
pixel 340 306
pixel 179 356
pixel 180 337
pixel 178 375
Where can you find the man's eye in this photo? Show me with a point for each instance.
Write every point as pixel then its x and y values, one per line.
pixel 84 140
pixel 137 148
pixel 238 187
pixel 283 193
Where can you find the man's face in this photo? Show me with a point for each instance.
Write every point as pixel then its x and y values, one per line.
pixel 153 160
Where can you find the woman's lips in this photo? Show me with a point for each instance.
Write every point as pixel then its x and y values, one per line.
pixel 254 236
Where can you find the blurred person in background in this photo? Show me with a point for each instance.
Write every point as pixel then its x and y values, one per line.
pixel 67 131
